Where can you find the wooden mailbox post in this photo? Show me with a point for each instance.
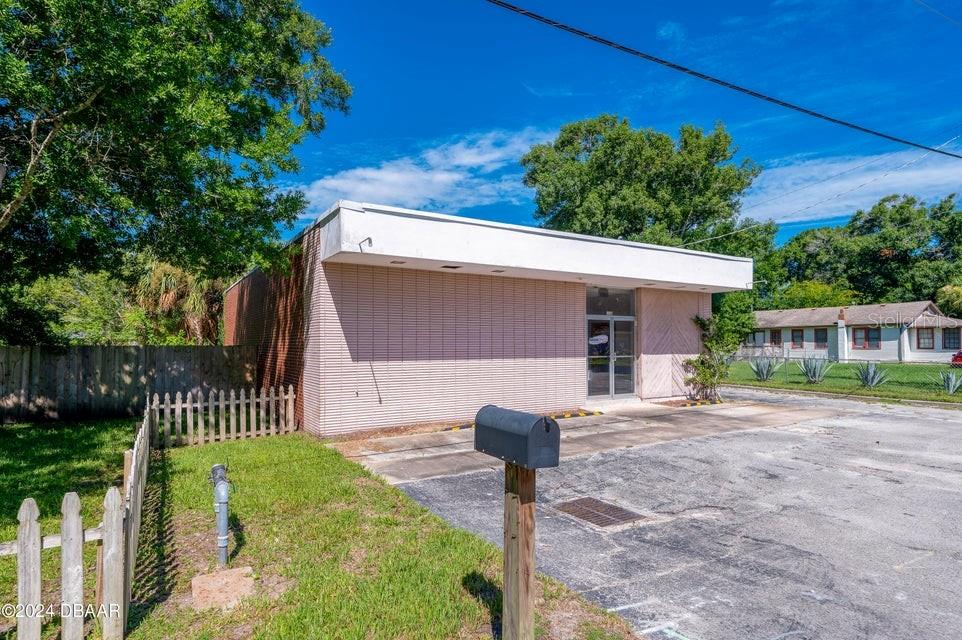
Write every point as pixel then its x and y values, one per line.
pixel 525 442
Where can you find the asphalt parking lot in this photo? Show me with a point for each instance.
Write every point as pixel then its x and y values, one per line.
pixel 838 523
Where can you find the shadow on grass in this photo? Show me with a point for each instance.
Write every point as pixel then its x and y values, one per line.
pixel 237 528
pixel 45 461
pixel 487 593
pixel 157 565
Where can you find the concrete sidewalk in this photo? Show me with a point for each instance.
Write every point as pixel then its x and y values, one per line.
pixel 406 458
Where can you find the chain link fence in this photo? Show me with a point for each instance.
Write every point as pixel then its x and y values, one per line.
pixel 908 380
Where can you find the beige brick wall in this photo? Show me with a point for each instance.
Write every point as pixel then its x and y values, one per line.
pixel 392 346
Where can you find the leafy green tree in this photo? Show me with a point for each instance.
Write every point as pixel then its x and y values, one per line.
pixel 127 124
pixel 731 320
pixel 949 300
pixel 602 177
pixel 90 308
pixel 811 293
pixel 898 250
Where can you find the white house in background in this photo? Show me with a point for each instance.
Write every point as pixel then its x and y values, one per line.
pixel 897 332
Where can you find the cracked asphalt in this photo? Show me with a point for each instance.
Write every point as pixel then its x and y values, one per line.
pixel 842 526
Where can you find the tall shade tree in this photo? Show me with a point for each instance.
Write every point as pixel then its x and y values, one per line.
pixel 811 293
pixel 900 249
pixel 127 124
pixel 602 177
pixel 949 299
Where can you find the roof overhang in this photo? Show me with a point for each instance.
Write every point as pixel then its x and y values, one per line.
pixel 381 235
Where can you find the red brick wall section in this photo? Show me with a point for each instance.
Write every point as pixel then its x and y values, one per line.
pixel 267 311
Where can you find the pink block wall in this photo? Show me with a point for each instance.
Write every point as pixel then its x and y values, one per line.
pixel 392 346
pixel 665 337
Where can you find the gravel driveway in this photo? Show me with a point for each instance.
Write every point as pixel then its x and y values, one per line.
pixel 845 525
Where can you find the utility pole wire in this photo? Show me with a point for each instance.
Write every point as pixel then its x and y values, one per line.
pixel 832 176
pixel 704 76
pixel 833 197
pixel 950 19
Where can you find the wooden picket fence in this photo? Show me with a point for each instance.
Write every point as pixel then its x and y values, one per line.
pixel 117 534
pixel 195 419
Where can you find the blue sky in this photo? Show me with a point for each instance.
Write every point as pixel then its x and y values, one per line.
pixel 449 95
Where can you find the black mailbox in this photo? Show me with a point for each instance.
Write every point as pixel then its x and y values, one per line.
pixel 524 439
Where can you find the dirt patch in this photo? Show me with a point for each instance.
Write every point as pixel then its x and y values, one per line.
pixel 356 562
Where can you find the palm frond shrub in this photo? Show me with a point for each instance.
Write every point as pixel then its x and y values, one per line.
pixel 870 376
pixel 764 368
pixel 951 381
pixel 814 369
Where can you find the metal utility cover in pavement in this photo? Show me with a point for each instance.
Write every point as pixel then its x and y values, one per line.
pixel 598 512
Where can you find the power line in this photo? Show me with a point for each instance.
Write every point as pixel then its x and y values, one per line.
pixel 939 13
pixel 830 198
pixel 832 176
pixel 819 181
pixel 703 76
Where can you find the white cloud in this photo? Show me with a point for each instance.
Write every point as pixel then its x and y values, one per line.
pixel 672 32
pixel 471 171
pixel 835 186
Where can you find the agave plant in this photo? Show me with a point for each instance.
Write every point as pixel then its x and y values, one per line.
pixel 951 381
pixel 814 369
pixel 869 375
pixel 764 368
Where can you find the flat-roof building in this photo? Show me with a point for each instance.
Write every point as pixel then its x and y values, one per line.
pixel 391 316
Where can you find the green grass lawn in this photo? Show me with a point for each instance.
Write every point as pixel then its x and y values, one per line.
pixel 336 553
pixel 905 381
pixel 44 462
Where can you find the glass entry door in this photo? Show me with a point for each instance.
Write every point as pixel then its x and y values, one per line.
pixel 611 356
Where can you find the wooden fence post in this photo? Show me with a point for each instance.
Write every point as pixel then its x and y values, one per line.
pixel 263 425
pixel 291 418
pixel 243 413
pixel 233 415
pixel 128 467
pixel 114 552
pixel 211 424
pixel 155 421
pixel 223 417
pixel 167 420
pixel 201 429
pixel 28 571
pixel 273 420
pixel 282 409
pixel 72 567
pixel 190 418
pixel 178 410
pixel 519 493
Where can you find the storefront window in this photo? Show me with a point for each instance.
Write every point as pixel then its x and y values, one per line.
pixel 606 301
